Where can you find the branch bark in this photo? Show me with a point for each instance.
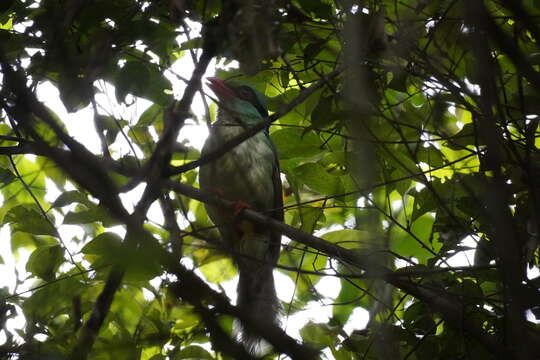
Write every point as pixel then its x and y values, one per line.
pixel 438 299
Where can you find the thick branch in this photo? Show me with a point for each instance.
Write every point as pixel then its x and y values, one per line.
pixel 450 307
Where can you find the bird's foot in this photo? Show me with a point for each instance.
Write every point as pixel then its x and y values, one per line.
pixel 239 206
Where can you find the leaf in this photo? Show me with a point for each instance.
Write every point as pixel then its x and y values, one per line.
pixel 22 240
pixel 94 214
pixel 316 177
pixel 219 270
pixel 319 8
pixel 143 80
pixel 106 244
pixel 399 81
pixel 70 197
pixel 348 293
pixel 192 352
pixel 144 262
pixel 52 171
pixel 430 155
pixel 154 114
pixel 309 216
pixel 6 177
pixel 419 247
pixel 28 219
pixel 317 335
pixel 194 43
pixel 75 91
pixel 465 137
pixel 292 143
pixel 322 116
pixel 424 202
pixel 133 78
pixel 53 299
pixel 349 239
pixel 126 308
pixel 45 260
pixel 418 318
pixel 185 318
pixel 484 252
pixel 33 175
pixel 108 126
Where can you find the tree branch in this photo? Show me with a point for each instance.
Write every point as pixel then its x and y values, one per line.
pixel 440 300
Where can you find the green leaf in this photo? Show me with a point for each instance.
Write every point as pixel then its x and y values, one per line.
pixel 317 335
pixel 309 216
pixel 22 240
pixel 465 137
pixel 193 352
pixel 143 80
pixel 430 155
pixel 316 177
pixel 194 43
pixel 348 293
pixel 291 142
pixel 154 114
pixel 418 318
pixel 319 8
pixel 349 239
pixel 126 308
pixel 184 318
pixel 219 270
pixel 70 197
pixel 54 299
pixel 322 116
pixel 33 175
pixel 424 202
pixel 106 244
pixel 45 260
pixel 144 262
pixel 133 78
pixel 52 171
pixel 89 216
pixel 6 177
pixel 399 81
pixel 75 91
pixel 28 219
pixel 107 125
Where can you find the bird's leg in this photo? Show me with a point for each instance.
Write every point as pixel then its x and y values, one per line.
pixel 239 206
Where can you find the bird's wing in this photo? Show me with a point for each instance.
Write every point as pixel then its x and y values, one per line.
pixel 277 209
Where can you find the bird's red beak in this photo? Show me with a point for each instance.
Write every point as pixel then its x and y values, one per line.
pixel 220 88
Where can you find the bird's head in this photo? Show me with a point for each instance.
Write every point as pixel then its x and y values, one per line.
pixel 235 92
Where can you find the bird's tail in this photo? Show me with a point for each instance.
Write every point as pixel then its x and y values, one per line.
pixel 257 299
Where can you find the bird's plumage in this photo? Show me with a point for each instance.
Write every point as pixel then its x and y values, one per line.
pixel 249 173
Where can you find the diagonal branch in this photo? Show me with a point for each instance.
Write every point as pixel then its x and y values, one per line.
pixel 440 300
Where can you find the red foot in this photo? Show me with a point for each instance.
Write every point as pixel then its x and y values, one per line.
pixel 239 206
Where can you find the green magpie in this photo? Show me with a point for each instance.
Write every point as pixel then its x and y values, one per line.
pixel 248 175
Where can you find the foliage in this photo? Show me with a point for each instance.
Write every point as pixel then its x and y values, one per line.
pixel 407 134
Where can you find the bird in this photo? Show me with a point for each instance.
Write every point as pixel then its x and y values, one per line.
pixel 248 175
